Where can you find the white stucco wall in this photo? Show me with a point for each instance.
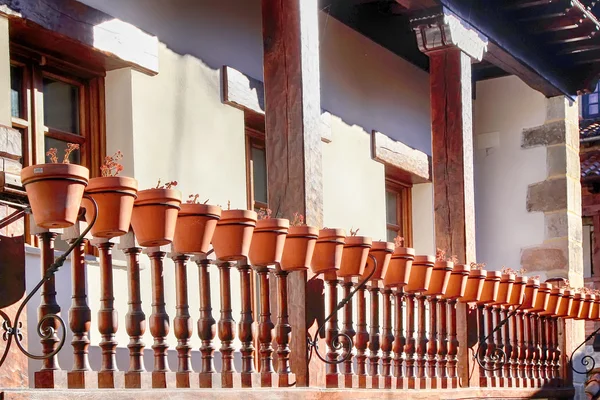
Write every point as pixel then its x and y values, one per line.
pixel 503 170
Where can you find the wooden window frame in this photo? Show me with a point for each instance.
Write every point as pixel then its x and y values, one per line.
pixel 254 139
pixel 403 223
pixel 586 104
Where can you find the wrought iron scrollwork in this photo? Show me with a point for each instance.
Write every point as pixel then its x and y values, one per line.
pixel 336 342
pixel 12 331
pixel 587 361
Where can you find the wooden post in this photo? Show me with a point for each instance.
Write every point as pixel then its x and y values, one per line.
pixel 451 45
pixel 293 140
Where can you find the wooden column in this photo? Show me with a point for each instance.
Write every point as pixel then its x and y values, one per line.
pixel 451 47
pixel 293 140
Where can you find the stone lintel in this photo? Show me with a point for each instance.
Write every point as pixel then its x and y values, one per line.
pixel 555 132
pixel 396 154
pixel 549 195
pixel 557 258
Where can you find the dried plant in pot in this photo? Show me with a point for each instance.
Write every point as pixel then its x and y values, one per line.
pixel 114 196
pixel 553 305
pixel 475 284
pixel 233 234
pixel 564 308
pixel 268 240
pixel 420 274
pixel 299 245
pixel 507 281
pixel 327 256
pixel 155 215
pixel 457 284
pixel 490 287
pixel 196 224
pixel 400 266
pixel 55 190
pixel 440 275
pixel 354 255
pixel 531 289
pixel 517 295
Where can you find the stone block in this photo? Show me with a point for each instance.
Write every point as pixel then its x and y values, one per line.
pixel 561 107
pixel 562 160
pixel 11 166
pixel 543 258
pixel 549 195
pixel 563 224
pixel 574 195
pixel 544 135
pixel 11 142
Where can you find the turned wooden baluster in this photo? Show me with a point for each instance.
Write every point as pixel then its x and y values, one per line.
pixel 80 314
pixel 557 354
pixel 245 328
pixel 362 338
pixel 452 344
pixel 206 325
pixel 523 349
pixel 265 328
pixel 530 349
pixel 421 341
pixel 410 347
pixel 182 323
pixel 491 345
pixel 348 329
pixel 226 326
pixel 135 319
pixel 399 339
pixel 107 317
pixel 374 343
pixel 283 330
pixel 387 338
pixel 507 347
pixel 48 304
pixel 551 350
pixel 432 345
pixel 159 319
pixel 483 346
pixel 442 353
pixel 514 354
pixel 536 348
pixel 498 344
pixel 332 332
pixel 544 350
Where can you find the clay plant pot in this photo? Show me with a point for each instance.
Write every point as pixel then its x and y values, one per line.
pixel 505 289
pixel 268 241
pixel 575 306
pixel 517 295
pixel 585 310
pixel 155 215
pixel 398 272
pixel 327 256
pixel 196 224
pixel 595 310
pixel 556 295
pixel 457 284
pixel 382 251
pixel 55 192
pixel 233 234
pixel 354 256
pixel 531 289
pixel 440 276
pixel 541 299
pixel 420 274
pixel 490 287
pixel 299 248
pixel 474 287
pixel 114 196
pixel 564 309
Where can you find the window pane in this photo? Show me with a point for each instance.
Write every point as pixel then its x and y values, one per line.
pixel 391 207
pixel 593 98
pixel 61 106
pixel 391 235
pixel 259 169
pixel 593 109
pixel 60 146
pixel 16 91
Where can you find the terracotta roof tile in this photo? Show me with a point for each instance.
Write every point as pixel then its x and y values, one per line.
pixel 589 128
pixel 590 164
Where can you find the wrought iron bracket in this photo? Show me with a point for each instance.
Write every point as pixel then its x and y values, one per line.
pixel 587 361
pixel 12 331
pixel 336 343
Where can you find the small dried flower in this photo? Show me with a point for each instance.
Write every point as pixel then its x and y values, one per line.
pixel 167 185
pixel 398 240
pixel 353 233
pixel 71 147
pixel 298 219
pixel 475 265
pixel 440 255
pixel 264 213
pixel 52 154
pixel 111 166
pixel 192 199
pixel 229 204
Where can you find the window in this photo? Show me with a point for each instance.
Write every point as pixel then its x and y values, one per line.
pixel 590 104
pixel 256 158
pixel 398 211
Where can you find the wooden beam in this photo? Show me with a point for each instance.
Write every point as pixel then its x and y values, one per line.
pixel 293 143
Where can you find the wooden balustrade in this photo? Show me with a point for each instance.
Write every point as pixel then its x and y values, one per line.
pixel 245 329
pixel 182 323
pixel 265 328
pixel 387 339
pixel 399 340
pixel 362 338
pixel 284 330
pixel 206 325
pixel 348 329
pixel 432 343
pixel 410 346
pixel 226 326
pixel 332 374
pixel 374 338
pixel 159 319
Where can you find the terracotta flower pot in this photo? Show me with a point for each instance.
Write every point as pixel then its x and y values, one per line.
pixel 457 284
pixel 233 234
pixel 299 248
pixel 490 287
pixel 474 287
pixel 505 289
pixel 564 309
pixel 382 251
pixel 556 295
pixel 575 306
pixel 155 215
pixel 55 192
pixel 114 196
pixel 595 310
pixel 517 295
pixel 586 307
pixel 328 251
pixel 440 276
pixel 268 241
pixel 541 300
pixel 420 274
pixel 398 272
pixel 354 256
pixel 196 224
pixel 531 289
